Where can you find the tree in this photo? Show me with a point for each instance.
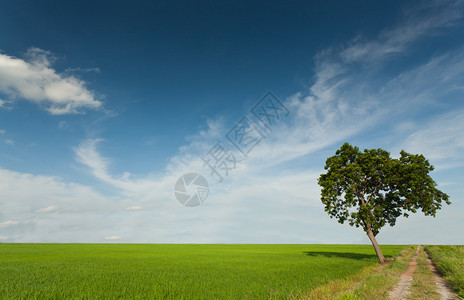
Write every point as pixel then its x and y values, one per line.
pixel 370 189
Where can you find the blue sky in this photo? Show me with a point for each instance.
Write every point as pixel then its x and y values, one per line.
pixel 103 106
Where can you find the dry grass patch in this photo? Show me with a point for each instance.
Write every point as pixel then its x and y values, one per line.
pixel 372 282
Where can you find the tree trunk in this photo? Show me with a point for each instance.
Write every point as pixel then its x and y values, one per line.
pixel 374 243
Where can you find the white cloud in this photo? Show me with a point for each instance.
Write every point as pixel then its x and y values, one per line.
pixel 9 142
pixel 2 131
pixel 348 97
pixel 440 139
pixel 81 212
pixel 5 104
pixel 34 80
pixel 134 207
pixel 258 198
pixel 47 209
pixel 87 154
pixel 83 70
pixel 267 198
pixel 8 223
pixel 113 238
pixel 419 21
pixel 28 193
pixel 3 237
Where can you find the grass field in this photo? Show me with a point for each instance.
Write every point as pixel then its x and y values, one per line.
pixel 450 262
pixel 96 271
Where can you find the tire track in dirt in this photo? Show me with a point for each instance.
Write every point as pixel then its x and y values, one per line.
pixel 401 290
pixel 443 288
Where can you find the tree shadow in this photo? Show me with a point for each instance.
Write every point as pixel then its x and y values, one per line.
pixel 356 256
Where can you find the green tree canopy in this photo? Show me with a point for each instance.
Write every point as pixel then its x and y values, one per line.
pixel 370 189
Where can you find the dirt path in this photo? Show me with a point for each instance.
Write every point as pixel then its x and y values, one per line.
pixel 442 286
pixel 401 290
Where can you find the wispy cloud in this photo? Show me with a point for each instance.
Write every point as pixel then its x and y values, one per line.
pixel 152 185
pixel 134 207
pixel 82 70
pixel 87 154
pixel 419 21
pixel 8 223
pixel 340 104
pixel 113 238
pixel 5 104
pixel 47 209
pixel 440 139
pixel 34 80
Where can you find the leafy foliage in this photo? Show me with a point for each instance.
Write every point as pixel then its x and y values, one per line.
pixel 372 189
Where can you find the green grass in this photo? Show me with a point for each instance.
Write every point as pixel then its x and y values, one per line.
pixel 423 283
pixel 450 262
pixel 97 271
pixel 373 282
